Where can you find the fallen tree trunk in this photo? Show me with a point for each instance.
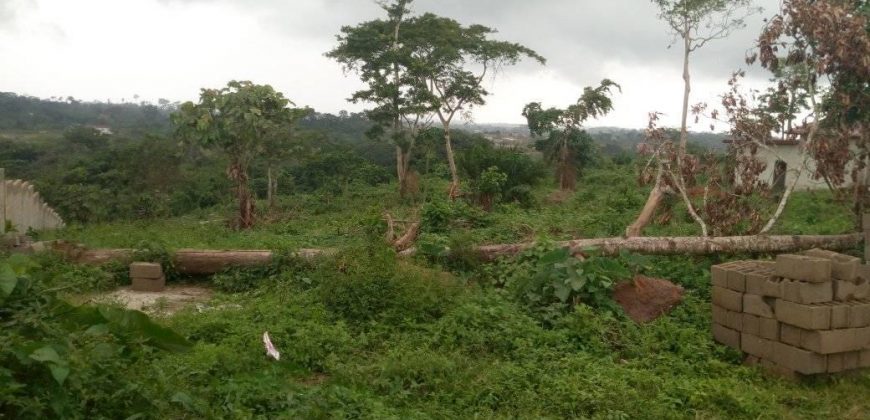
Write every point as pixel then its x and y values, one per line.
pixel 205 262
pixel 689 245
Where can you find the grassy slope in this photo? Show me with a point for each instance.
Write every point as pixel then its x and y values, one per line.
pixel 367 337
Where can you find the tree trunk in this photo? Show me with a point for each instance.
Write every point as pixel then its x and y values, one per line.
pixel 201 262
pixel 687 245
pixel 453 192
pixel 687 90
pixel 270 194
pixel 649 209
pixel 401 171
pixel 238 172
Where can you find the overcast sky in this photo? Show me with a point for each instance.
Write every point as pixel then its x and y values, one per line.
pixel 113 49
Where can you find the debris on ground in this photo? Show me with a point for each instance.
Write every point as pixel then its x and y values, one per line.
pixel 645 299
pixel 167 302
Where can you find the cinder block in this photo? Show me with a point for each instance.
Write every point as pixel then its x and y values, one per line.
pixel 751 325
pixel 859 314
pixel 843 267
pixel 810 317
pixel 730 319
pixel 844 291
pixel 755 282
pixel 143 270
pixel 757 305
pixel 790 335
pixel 864 359
pixel 769 329
pixel 726 336
pixel 799 360
pixel 149 285
pixel 800 267
pixel 840 316
pixel 736 278
pixel 728 299
pixel 805 292
pixel 773 287
pixel 843 362
pixel 862 289
pixel 835 341
pixel 756 346
pixel 719 275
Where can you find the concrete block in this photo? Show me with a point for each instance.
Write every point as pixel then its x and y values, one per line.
pixel 862 289
pixel 843 267
pixel 805 292
pixel 145 270
pixel 728 299
pixel 758 305
pixel 810 317
pixel 799 360
pixel 736 278
pixel 149 285
pixel 755 283
pixel 800 267
pixel 790 335
pixel 843 362
pixel 730 319
pixel 773 287
pixel 751 325
pixel 859 314
pixel 835 341
pixel 840 314
pixel 864 359
pixel 756 346
pixel 719 275
pixel 769 328
pixel 726 336
pixel 844 291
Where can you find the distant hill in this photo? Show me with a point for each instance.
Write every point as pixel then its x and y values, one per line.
pixel 612 140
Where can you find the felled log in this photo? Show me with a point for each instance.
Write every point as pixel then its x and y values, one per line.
pixel 689 245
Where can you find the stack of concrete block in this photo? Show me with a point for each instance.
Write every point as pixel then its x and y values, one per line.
pixel 147 277
pixel 806 314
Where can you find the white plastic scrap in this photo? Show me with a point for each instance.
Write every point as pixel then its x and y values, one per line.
pixel 270 348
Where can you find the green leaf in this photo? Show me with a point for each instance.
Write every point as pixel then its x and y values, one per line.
pixel 8 280
pixel 46 354
pixel 562 292
pixel 59 373
pixel 135 322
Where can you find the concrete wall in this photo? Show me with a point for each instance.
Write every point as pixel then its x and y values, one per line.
pixel 24 208
pixel 791 155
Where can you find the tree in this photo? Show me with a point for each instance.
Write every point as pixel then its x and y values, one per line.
pixel 565 143
pixel 280 145
pixel 449 63
pixel 236 120
pixel 695 22
pixel 376 51
pixel 819 53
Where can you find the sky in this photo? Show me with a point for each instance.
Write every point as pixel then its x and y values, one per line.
pixel 149 49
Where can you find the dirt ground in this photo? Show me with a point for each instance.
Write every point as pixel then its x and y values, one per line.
pixel 165 303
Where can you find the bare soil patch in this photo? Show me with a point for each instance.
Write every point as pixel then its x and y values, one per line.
pixel 645 299
pixel 164 303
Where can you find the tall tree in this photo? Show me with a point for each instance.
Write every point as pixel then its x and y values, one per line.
pixel 236 120
pixel 280 145
pixel 565 143
pixel 376 51
pixel 449 63
pixel 695 23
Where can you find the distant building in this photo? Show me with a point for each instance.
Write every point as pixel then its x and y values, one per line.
pixel 104 130
pixel 783 159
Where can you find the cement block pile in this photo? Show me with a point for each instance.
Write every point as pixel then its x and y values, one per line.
pixel 802 314
pixel 147 277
